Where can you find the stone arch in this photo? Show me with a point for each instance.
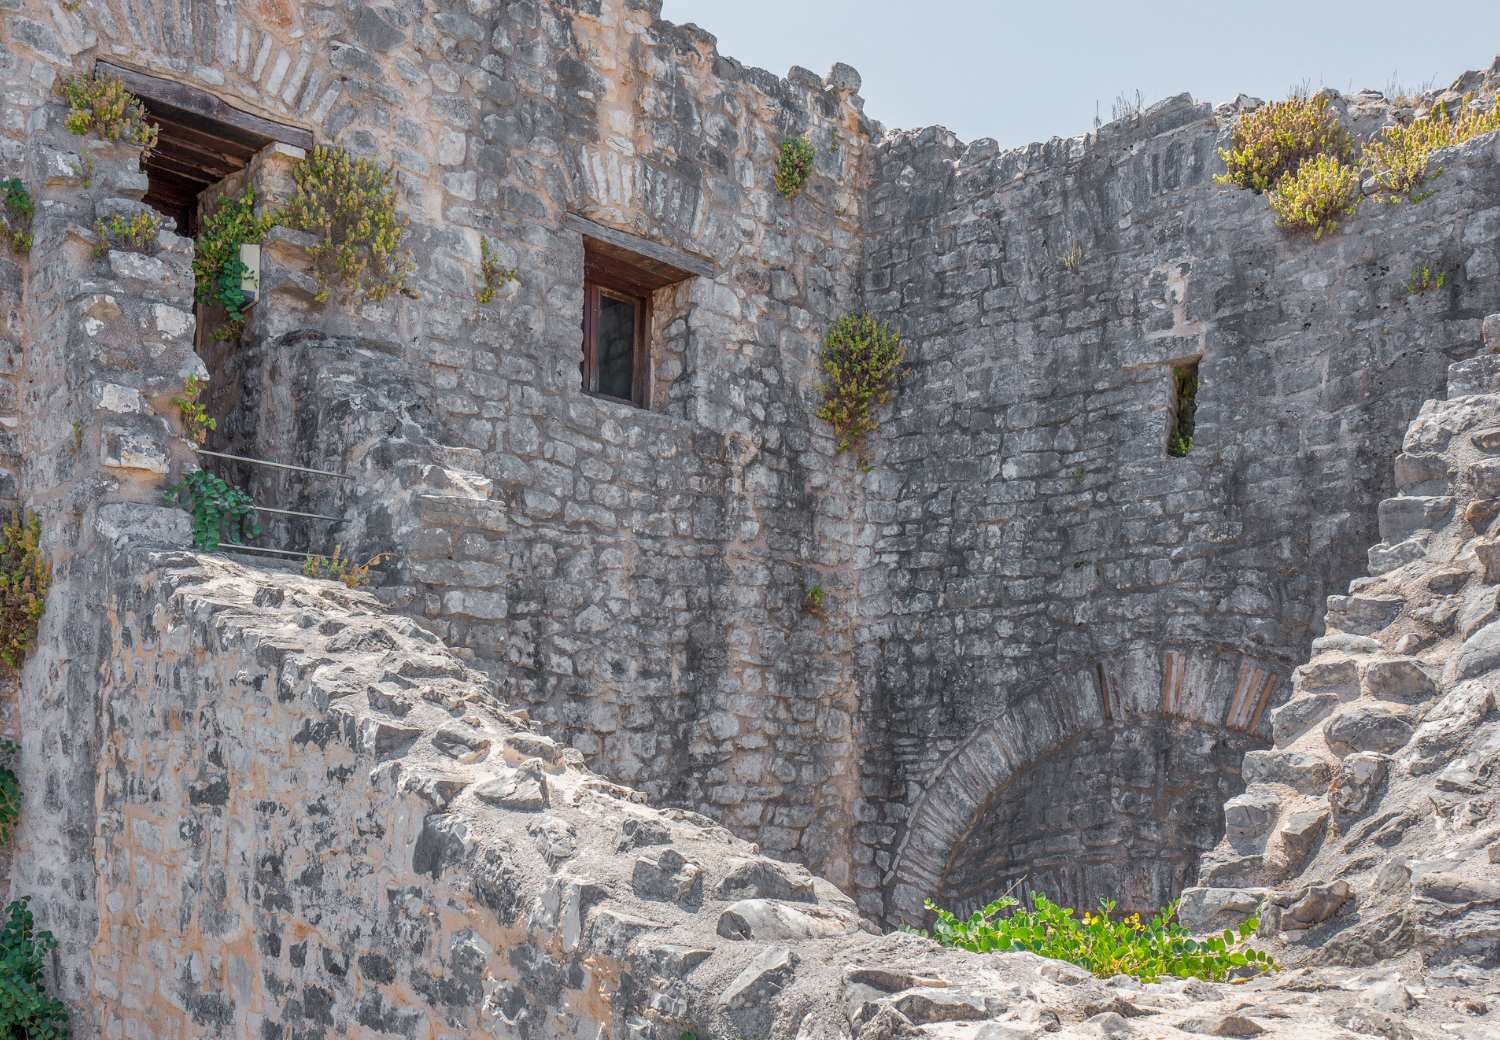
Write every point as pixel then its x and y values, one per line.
pixel 258 53
pixel 1199 688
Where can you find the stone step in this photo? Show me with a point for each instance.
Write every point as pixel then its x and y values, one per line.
pixel 1249 818
pixel 1422 473
pixel 1408 515
pixel 1363 615
pixel 1302 771
pixel 1389 556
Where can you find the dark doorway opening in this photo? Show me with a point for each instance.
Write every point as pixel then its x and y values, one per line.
pixel 201 141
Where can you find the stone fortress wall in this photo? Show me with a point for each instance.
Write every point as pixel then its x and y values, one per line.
pixel 1025 585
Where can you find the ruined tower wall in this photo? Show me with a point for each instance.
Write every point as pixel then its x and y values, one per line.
pixel 1041 539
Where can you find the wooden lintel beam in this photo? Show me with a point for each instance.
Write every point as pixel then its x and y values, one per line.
pixel 687 263
pixel 205 105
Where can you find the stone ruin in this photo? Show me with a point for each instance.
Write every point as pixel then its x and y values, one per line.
pixel 1050 654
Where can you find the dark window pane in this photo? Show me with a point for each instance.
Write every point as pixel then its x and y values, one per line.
pixel 616 347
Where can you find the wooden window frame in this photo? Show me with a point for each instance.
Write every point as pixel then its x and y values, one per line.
pixel 595 288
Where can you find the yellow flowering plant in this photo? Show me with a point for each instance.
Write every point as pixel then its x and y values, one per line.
pixel 1106 945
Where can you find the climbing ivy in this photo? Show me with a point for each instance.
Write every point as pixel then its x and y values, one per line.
pixel 221 512
pixel 25 577
pixel 18 209
pixel 105 108
pixel 794 165
pixel 861 362
pixel 217 270
pixel 349 205
pixel 26 1011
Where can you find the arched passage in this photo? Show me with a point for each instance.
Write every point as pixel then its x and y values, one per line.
pixel 1110 782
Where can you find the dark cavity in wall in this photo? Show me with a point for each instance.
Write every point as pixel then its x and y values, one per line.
pixel 1122 812
pixel 1184 408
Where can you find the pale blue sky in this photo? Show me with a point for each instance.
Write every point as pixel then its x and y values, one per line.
pixel 1027 72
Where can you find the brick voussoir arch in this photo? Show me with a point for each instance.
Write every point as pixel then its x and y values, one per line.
pixel 1202 687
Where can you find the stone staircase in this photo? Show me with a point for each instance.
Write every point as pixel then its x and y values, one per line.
pixel 1369 828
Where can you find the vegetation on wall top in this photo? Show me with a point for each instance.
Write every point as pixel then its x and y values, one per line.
pixel 1105 945
pixel 349 204
pixel 861 362
pixel 105 108
pixel 794 165
pixel 1398 157
pixel 217 270
pixel 15 214
pixel 1274 140
pixel 25 577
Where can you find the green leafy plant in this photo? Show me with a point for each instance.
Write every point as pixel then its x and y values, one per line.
pixel 221 513
pixel 1185 420
pixel 218 273
pixel 1399 156
pixel 861 362
pixel 493 276
pixel 1274 141
pixel 105 108
pixel 1106 945
pixel 84 171
pixel 794 165
pixel 339 567
pixel 25 577
pixel 26 1011
pixel 10 790
pixel 196 422
pixel 16 213
pixel 1424 280
pixel 137 233
pixel 349 204
pixel 1321 193
pixel 812 603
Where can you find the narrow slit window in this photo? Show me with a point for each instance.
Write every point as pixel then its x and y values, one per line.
pixel 1184 411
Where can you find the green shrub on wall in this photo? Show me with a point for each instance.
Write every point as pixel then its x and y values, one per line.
pixel 25 577
pixel 1322 193
pixel 26 1011
pixel 1103 944
pixel 15 214
pixel 1398 158
pixel 104 107
pixel 136 234
pixel 349 204
pixel 217 270
pixel 794 165
pixel 1274 140
pixel 861 362
pixel 493 275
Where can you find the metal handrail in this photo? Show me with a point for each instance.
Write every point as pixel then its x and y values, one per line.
pixel 293 512
pixel 277 465
pixel 238 546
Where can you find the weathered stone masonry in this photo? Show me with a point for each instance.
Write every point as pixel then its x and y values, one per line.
pixel 1023 574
